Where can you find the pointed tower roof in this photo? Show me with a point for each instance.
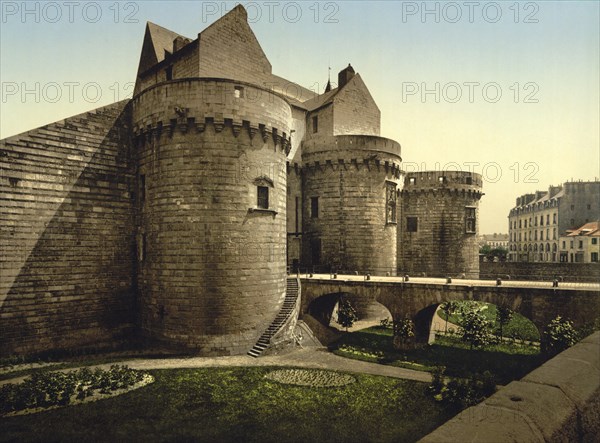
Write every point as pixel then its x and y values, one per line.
pixel 328 86
pixel 157 41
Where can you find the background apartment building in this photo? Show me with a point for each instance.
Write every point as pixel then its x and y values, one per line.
pixel 538 220
pixel 581 245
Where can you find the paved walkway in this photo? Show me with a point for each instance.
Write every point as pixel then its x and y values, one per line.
pixel 307 358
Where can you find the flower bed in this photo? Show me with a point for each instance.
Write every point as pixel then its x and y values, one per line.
pixel 51 389
pixel 310 377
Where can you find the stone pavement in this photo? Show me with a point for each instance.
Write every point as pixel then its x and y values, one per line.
pixel 309 357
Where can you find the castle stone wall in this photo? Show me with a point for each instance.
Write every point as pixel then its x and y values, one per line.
pixel 213 273
pixel 440 244
pixel 66 221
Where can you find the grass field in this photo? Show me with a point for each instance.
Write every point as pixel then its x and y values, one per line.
pixel 506 362
pixel 240 404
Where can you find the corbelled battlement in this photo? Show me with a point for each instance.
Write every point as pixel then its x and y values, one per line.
pixel 427 181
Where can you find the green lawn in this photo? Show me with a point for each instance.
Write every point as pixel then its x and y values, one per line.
pixel 239 404
pixel 519 326
pixel 506 362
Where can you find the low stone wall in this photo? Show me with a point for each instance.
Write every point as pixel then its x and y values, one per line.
pixel 578 272
pixel 559 401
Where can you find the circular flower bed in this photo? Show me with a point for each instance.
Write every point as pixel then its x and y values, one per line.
pixel 51 389
pixel 310 377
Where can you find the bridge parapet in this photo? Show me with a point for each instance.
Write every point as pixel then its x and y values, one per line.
pixel 559 401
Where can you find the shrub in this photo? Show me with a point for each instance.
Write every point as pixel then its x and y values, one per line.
pixel 346 314
pixel 386 323
pixel 404 330
pixel 503 316
pixel 558 336
pixel 462 393
pixel 475 329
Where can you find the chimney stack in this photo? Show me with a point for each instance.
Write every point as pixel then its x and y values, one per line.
pixel 345 75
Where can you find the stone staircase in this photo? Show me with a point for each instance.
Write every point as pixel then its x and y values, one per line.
pixel 291 296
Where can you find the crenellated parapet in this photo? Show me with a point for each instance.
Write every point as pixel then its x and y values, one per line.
pixel 190 105
pixel 354 164
pixel 190 125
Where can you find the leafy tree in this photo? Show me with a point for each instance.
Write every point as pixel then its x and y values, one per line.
pixel 404 330
pixel 346 314
pixel 499 252
pixel 485 250
pixel 448 309
pixel 491 253
pixel 503 316
pixel 558 336
pixel 475 329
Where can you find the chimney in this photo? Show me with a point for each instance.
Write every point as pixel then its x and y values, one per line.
pixel 179 43
pixel 553 190
pixel 345 75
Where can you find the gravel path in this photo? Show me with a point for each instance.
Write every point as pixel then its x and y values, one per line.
pixel 306 358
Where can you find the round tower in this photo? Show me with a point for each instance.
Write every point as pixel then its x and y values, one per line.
pixel 439 225
pixel 212 212
pixel 351 185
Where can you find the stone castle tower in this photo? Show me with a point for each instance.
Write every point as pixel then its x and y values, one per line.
pixel 174 215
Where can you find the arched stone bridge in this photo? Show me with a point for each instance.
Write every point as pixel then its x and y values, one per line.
pixel 418 298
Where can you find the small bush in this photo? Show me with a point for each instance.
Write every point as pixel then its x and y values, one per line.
pixel 461 393
pixel 386 323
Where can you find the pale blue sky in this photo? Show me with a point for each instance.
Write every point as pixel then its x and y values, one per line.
pixel 548 54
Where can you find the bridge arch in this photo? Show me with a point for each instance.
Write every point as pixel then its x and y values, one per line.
pixel 424 319
pixel 368 309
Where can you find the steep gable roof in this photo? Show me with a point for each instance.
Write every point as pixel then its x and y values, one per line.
pixel 320 100
pixel 157 40
pixel 229 48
